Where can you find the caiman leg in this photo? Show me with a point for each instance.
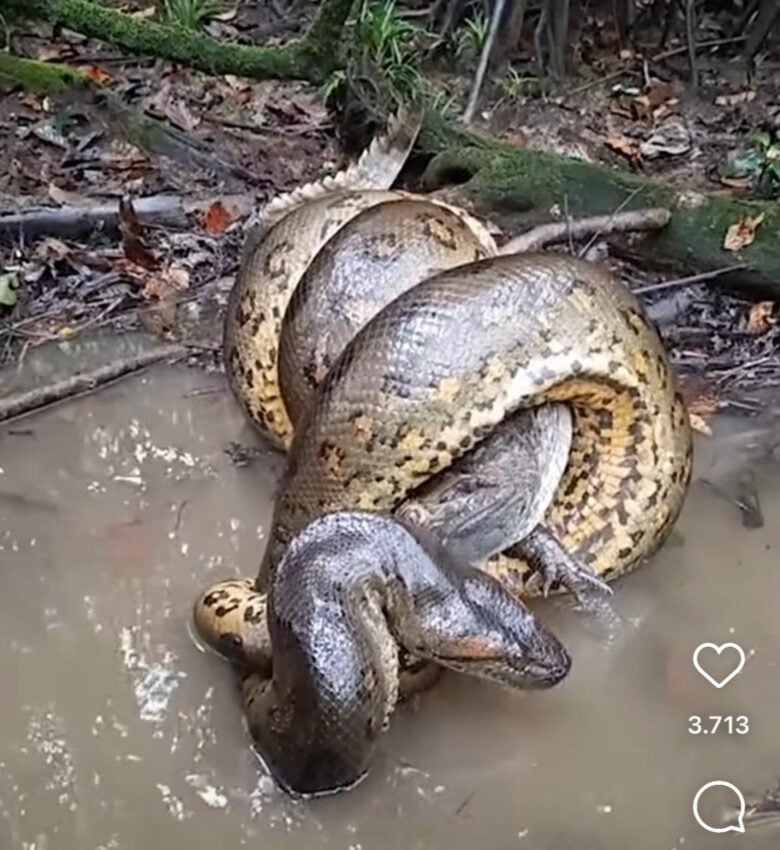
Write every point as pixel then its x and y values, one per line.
pixel 495 498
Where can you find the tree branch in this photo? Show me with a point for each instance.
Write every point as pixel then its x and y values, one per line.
pixel 598 225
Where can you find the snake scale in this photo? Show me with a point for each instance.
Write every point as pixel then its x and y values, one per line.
pixel 520 409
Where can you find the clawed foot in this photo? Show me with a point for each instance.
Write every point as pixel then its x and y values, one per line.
pixel 558 568
pixel 577 578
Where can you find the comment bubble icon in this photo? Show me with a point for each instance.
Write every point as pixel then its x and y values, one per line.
pixel 738 826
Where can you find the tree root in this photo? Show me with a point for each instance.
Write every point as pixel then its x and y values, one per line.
pixel 521 188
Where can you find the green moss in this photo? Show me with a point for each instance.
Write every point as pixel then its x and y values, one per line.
pixel 696 235
pixel 40 77
pixel 312 57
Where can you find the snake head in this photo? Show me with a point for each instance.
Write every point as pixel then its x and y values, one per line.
pixel 315 724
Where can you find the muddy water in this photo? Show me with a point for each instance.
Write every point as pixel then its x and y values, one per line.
pixel 118 732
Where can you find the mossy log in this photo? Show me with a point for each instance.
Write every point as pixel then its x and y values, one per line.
pixel 521 187
pixel 42 78
pixel 310 58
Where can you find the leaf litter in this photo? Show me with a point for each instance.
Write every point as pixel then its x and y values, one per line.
pixel 159 276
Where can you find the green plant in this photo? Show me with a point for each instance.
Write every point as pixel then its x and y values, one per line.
pixel 6 33
pixel 189 14
pixel 513 85
pixel 444 103
pixel 385 51
pixel 383 35
pixel 334 84
pixel 470 39
pixel 758 166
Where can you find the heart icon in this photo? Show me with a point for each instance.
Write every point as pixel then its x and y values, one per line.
pixel 740 661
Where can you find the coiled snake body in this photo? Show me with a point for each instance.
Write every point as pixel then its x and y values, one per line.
pixel 382 340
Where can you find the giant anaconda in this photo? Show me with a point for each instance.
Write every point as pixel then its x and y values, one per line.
pixel 432 349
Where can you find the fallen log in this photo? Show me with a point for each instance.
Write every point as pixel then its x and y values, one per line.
pixel 74 222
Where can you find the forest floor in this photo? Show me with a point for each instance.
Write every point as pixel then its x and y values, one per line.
pixel 246 141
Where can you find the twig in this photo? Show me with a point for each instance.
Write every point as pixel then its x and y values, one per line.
pixel 546 234
pixel 484 59
pixel 569 231
pixel 31 400
pixel 691 279
pixel 179 514
pixel 658 57
pixel 593 83
pixel 690 37
pixel 539 34
pixel 702 45
pixel 748 364
pixel 767 13
pixel 619 209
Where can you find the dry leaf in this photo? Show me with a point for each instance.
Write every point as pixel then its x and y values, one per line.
pixel 60 52
pixel 702 405
pixel 671 138
pixel 148 12
pixel 735 99
pixel 658 93
pixel 217 218
pixel 65 198
pixel 515 137
pixel 162 293
pixel 624 146
pixel 51 250
pixel 699 424
pixel 170 281
pixel 742 234
pixel 235 82
pixel 97 75
pixel 760 318
pixel 228 15
pixel 652 102
pixel 741 184
pixel 132 237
